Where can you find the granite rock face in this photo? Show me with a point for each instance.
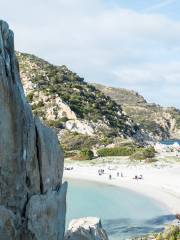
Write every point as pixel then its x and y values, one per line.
pixel 46 214
pixel 89 228
pixel 49 157
pixel 31 162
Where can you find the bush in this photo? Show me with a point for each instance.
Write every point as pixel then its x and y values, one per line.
pixel 76 141
pixel 38 112
pixel 149 152
pixel 86 154
pixel 137 156
pixel 55 123
pixel 135 152
pixel 38 105
pixel 116 151
pixel 64 119
pixel 30 96
pixel 143 153
pixel 70 154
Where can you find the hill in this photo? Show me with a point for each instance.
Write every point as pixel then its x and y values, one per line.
pixel 77 110
pixel 160 122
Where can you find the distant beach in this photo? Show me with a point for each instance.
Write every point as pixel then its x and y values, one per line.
pixel 160 180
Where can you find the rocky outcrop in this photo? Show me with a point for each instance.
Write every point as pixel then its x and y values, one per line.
pixel 89 228
pixel 80 126
pixel 54 107
pixel 32 197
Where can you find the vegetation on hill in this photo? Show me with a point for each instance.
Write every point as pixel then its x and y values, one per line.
pixel 76 141
pixel 86 154
pixel 143 153
pixel 162 123
pixel 121 95
pixel 41 78
pixel 116 151
pixel 176 115
pixel 103 106
pixel 135 153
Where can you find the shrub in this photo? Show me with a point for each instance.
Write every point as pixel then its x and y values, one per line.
pixel 64 119
pixel 70 154
pixel 58 123
pixel 135 152
pixel 143 153
pixel 149 152
pixel 116 151
pixel 137 156
pixel 38 105
pixel 55 123
pixel 38 112
pixel 30 96
pixel 76 141
pixel 86 154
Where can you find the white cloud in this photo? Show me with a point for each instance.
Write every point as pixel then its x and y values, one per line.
pixel 153 80
pixel 109 45
pixel 145 73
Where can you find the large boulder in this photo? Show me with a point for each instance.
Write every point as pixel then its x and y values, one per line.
pixel 49 157
pixel 31 161
pixel 89 228
pixel 46 213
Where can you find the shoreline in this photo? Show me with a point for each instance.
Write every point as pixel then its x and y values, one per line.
pixel 160 184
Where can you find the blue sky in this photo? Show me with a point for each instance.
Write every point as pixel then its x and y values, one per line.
pixel 133 44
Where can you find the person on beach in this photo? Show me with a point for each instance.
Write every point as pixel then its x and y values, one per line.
pixel 117 174
pixel 121 174
pixel 141 176
pixel 110 177
pixel 136 177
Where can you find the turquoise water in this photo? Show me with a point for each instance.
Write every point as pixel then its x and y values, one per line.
pixel 124 213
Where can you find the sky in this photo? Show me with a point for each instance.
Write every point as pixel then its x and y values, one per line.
pixel 133 44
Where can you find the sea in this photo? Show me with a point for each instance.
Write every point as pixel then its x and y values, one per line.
pixel 124 213
pixel 170 142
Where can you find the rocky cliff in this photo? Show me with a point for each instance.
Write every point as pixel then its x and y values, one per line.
pixel 32 196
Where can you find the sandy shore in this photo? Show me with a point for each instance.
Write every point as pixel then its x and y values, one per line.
pixel 161 182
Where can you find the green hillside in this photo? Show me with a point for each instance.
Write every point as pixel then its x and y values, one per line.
pixel 87 102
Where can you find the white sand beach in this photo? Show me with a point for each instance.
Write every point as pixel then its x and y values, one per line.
pixel 160 181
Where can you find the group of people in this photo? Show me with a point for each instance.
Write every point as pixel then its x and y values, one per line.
pixel 118 174
pixel 138 177
pixel 68 168
pixel 101 172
